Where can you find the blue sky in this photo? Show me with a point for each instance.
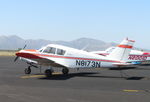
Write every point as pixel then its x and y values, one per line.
pixel 107 20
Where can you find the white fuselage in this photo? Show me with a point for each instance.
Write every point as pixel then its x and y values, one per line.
pixel 73 58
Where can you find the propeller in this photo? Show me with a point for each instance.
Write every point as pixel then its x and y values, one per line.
pixel 18 56
pixel 24 47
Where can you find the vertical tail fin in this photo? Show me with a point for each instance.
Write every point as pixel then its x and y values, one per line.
pixel 122 51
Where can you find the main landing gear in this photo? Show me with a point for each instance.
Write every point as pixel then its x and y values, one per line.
pixel 65 71
pixel 48 72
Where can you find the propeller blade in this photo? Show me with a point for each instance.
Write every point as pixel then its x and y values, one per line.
pixel 18 56
pixel 24 46
pixel 16 59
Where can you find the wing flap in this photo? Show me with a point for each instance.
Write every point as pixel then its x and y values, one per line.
pixel 122 64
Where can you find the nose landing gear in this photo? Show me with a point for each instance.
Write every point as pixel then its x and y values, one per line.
pixel 27 70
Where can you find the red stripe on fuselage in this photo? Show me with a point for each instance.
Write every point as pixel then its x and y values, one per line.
pixel 38 56
pixel 27 55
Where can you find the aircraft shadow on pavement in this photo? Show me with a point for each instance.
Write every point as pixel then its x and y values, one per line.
pixel 87 74
pixel 71 75
pixel 134 78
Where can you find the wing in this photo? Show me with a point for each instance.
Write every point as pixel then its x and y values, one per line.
pixel 41 60
pixel 49 62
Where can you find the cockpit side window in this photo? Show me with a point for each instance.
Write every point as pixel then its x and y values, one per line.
pixel 51 50
pixel 60 52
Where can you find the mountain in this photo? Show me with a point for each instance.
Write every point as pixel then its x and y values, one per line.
pixel 14 42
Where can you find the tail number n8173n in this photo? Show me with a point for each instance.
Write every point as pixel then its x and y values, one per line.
pixel 87 63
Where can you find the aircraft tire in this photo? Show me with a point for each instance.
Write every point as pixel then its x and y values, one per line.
pixel 48 72
pixel 65 71
pixel 27 70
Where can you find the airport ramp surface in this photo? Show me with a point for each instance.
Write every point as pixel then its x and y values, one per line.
pixel 86 85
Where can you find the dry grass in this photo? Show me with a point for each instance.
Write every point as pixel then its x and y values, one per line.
pixel 7 52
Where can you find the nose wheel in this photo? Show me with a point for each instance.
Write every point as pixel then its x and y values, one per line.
pixel 27 70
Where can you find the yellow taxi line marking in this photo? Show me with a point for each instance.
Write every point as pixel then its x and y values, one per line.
pixel 38 76
pixel 56 73
pixel 32 76
pixel 131 90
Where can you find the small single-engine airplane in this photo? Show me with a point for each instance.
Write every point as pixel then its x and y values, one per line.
pixel 134 56
pixel 64 57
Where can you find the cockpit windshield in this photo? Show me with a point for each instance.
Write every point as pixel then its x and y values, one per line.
pixel 51 50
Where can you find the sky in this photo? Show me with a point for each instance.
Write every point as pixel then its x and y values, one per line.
pixel 107 20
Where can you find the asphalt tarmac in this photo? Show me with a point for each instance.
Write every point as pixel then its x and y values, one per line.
pixel 86 85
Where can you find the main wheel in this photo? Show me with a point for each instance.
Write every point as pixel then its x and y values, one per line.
pixel 27 70
pixel 65 71
pixel 48 72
